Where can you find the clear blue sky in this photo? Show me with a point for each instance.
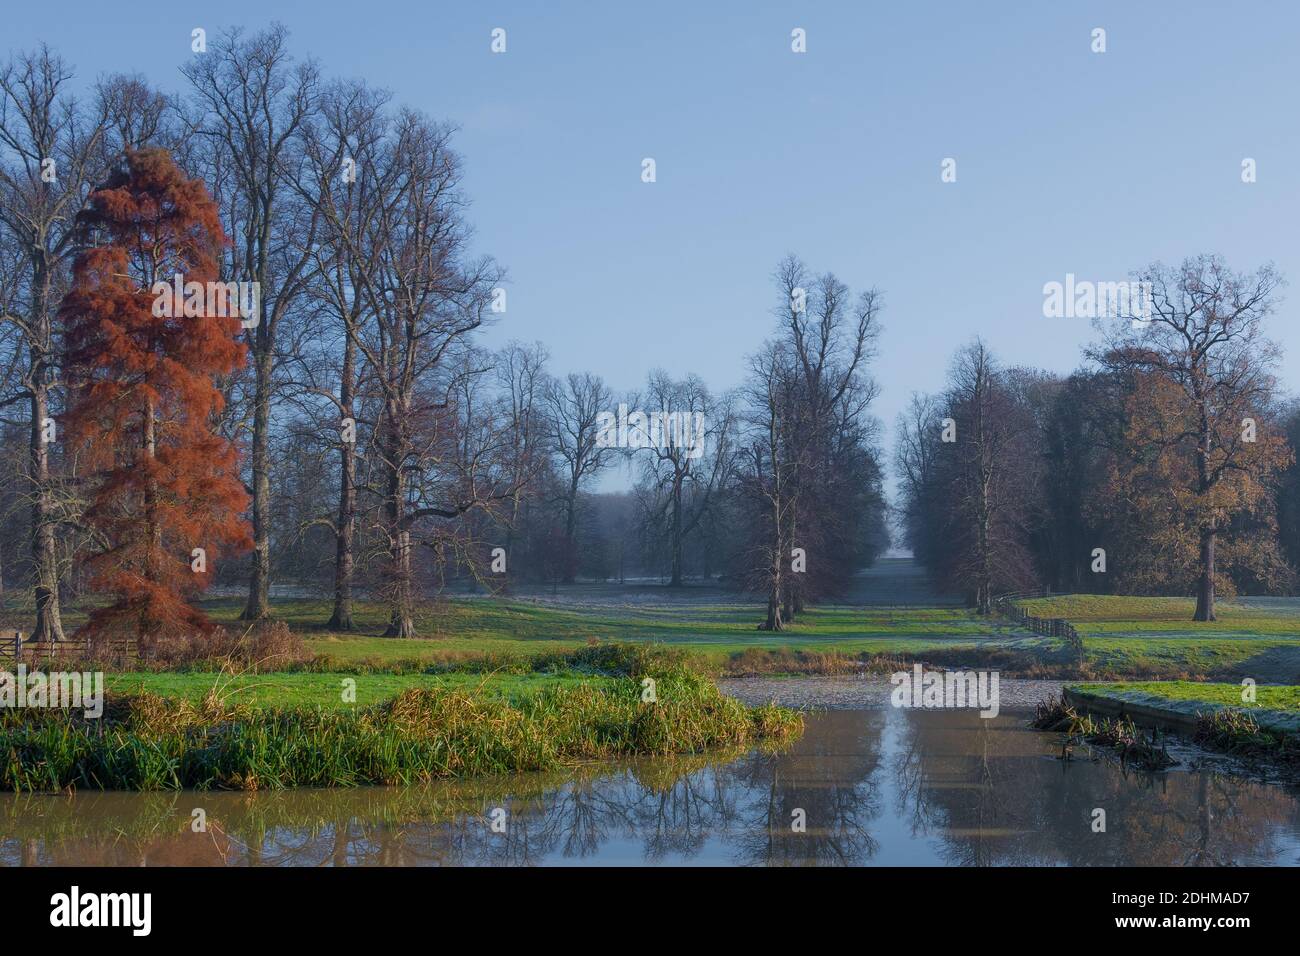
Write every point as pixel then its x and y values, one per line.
pixel 1068 161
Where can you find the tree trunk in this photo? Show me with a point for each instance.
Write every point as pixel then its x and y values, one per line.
pixel 1205 593
pixel 774 620
pixel 788 597
pixel 49 623
pixel 153 561
pixel 570 531
pixel 676 581
pixel 259 583
pixel 401 619
pixel 341 619
pixel 984 593
pixel 345 524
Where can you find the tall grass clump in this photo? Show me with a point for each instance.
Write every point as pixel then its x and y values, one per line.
pixel 1237 732
pixel 148 742
pixel 1118 733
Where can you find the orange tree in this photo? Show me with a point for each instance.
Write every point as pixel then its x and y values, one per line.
pixel 164 494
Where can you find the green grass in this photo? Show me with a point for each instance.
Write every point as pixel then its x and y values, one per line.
pixel 327 689
pixel 503 633
pixel 713 633
pixel 1108 614
pixel 1156 636
pixel 145 741
pixel 1124 637
pixel 1285 699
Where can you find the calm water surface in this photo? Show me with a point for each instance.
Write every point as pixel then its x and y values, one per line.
pixel 875 785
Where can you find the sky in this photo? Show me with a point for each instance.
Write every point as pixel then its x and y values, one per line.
pixel 1067 160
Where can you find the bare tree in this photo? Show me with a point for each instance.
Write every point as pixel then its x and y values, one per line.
pixel 985 477
pixel 769 475
pixel 423 298
pixel 346 135
pixel 52 154
pixel 682 475
pixel 916 432
pixel 831 339
pixel 522 380
pixel 574 405
pixel 251 103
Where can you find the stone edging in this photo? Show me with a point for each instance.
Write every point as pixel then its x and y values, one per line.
pixel 1150 710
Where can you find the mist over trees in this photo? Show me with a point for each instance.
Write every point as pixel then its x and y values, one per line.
pixel 380 451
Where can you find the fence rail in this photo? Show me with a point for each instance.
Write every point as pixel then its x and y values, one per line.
pixel 14 647
pixel 1057 627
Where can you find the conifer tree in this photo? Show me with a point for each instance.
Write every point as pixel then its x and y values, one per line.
pixel 165 498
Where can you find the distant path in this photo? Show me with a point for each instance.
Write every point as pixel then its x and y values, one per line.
pixel 897 582
pixel 892 582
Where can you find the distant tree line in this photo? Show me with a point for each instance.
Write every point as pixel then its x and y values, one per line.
pixel 1164 466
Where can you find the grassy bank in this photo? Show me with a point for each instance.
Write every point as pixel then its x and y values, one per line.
pixel 1266 728
pixel 490 625
pixel 1193 695
pixel 146 741
pixel 1155 637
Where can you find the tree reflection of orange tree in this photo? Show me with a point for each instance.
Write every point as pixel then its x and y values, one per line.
pixel 271 828
pixel 828 774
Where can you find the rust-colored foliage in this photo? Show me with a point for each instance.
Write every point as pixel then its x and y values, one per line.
pixel 143 400
pixel 1155 489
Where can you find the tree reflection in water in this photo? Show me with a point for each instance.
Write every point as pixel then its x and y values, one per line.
pixel 890 786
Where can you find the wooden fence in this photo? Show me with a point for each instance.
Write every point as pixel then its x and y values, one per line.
pixel 1047 626
pixel 13 647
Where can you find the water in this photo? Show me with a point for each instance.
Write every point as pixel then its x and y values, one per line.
pixel 875 785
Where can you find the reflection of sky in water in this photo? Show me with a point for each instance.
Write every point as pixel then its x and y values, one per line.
pixel 878 786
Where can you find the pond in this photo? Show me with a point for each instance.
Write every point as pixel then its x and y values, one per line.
pixel 867 784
